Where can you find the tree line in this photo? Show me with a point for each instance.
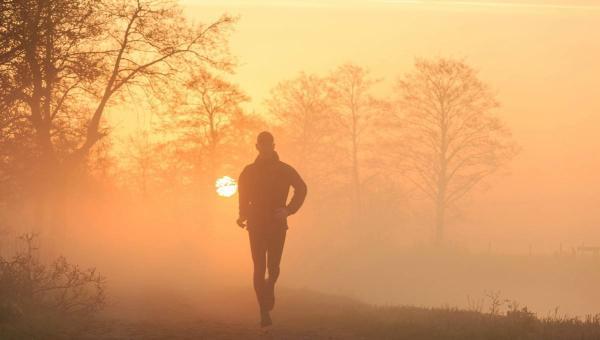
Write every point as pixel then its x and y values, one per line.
pixel 65 63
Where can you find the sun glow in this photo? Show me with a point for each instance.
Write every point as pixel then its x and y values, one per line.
pixel 226 186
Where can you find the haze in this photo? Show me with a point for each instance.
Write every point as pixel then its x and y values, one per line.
pixel 149 213
pixel 539 56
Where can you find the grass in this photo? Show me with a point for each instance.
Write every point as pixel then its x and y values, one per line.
pixel 303 314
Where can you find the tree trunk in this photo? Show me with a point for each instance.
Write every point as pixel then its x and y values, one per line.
pixel 442 181
pixel 356 179
pixel 440 214
pixel 355 169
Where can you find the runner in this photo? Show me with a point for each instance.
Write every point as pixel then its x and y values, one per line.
pixel 263 191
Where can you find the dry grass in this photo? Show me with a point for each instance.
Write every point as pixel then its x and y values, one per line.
pixel 304 314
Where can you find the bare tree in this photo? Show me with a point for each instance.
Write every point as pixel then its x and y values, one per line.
pixel 212 106
pixel 17 153
pixel 205 122
pixel 303 108
pixel 64 62
pixel 71 56
pixel 141 157
pixel 149 40
pixel 355 109
pixel 451 140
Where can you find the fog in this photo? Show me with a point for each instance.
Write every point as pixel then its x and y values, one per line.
pixel 145 212
pixel 540 62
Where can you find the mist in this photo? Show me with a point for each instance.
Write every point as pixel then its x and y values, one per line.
pixel 449 149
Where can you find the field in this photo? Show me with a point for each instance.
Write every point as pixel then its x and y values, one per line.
pixel 301 314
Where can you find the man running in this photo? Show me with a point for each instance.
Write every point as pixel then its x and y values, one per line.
pixel 263 188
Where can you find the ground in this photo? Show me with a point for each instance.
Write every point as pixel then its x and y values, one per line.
pixel 303 314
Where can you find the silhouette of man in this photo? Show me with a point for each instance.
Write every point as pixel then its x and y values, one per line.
pixel 263 188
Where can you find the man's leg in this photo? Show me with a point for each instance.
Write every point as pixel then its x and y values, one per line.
pixel 258 247
pixel 274 253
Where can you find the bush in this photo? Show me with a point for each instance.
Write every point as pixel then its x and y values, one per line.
pixel 40 300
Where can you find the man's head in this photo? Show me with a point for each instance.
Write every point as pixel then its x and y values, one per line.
pixel 265 143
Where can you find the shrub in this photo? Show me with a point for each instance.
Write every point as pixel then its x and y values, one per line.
pixel 39 300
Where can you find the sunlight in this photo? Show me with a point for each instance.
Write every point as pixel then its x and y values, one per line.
pixel 497 4
pixel 226 186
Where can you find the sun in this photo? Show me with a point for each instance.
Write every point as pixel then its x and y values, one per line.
pixel 226 186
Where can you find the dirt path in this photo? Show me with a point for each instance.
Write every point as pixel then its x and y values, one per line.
pixel 206 330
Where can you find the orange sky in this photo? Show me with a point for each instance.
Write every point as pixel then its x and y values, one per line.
pixel 542 58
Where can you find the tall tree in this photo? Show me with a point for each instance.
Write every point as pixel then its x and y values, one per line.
pixel 451 138
pixel 351 89
pixel 74 55
pixel 65 61
pixel 213 105
pixel 303 108
pixel 206 123
pixel 141 157
pixel 40 63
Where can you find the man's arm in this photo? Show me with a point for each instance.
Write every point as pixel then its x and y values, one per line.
pixel 244 203
pixel 299 192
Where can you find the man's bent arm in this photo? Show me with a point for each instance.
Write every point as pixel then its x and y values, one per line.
pixel 244 203
pixel 299 192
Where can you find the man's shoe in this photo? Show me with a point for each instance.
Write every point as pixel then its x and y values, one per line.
pixel 265 319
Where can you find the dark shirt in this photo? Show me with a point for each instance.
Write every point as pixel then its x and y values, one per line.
pixel 263 187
